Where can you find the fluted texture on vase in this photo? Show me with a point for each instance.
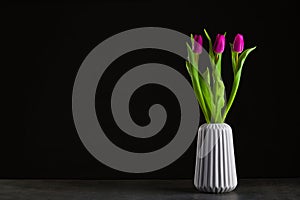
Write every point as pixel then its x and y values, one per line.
pixel 215 170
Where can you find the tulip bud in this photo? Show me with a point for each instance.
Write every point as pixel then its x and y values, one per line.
pixel 238 43
pixel 219 44
pixel 197 47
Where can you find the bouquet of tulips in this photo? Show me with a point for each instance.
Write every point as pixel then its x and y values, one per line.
pixel 208 85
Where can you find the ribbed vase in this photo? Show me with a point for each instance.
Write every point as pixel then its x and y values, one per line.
pixel 215 170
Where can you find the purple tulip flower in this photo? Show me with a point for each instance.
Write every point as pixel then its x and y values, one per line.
pixel 197 47
pixel 219 44
pixel 238 43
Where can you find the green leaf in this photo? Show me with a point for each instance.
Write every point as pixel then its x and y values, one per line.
pixel 188 68
pixel 218 90
pixel 210 51
pixel 207 94
pixel 237 78
pixel 190 54
pixel 220 105
pixel 221 87
pixel 207 35
pixel 192 67
pixel 192 40
pixel 234 89
pixel 206 76
pixel 243 57
pixel 218 64
pixel 219 101
pixel 197 89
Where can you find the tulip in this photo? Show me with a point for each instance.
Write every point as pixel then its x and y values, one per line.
pixel 219 44
pixel 197 47
pixel 238 43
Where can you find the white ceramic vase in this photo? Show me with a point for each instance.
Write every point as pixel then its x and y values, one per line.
pixel 215 170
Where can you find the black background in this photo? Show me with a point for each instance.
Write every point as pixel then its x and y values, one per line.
pixel 45 43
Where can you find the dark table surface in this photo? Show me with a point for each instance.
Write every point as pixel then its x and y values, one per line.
pixel 143 189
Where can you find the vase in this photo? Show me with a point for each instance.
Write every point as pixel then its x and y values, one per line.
pixel 215 170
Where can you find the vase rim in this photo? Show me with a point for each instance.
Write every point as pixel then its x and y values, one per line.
pixel 215 125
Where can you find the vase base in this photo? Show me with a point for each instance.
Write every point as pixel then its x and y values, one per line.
pixel 215 190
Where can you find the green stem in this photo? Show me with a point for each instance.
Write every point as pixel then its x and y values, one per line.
pixel 216 88
pixel 215 95
pixel 236 61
